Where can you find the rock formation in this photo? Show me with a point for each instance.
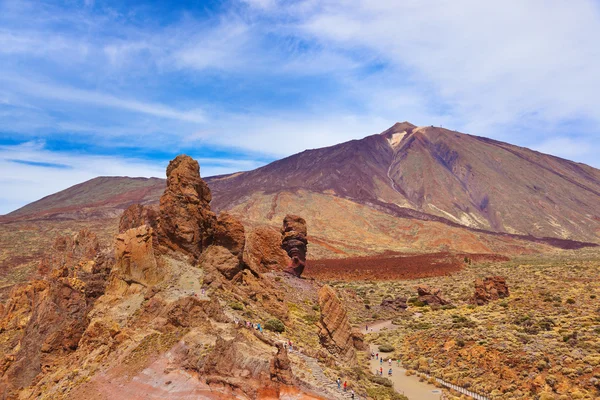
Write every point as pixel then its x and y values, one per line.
pixel 281 367
pixel 135 260
pixel 237 363
pixel 294 242
pixel 229 233
pixel 186 221
pixel 489 289
pixel 45 319
pixel 336 334
pixel 396 304
pixel 431 296
pixel 218 259
pixel 137 215
pixel 263 251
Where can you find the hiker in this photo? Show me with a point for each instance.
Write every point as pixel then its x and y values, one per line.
pixel 390 372
pixel 380 360
pixel 390 362
pixel 398 362
pixel 203 291
pixel 372 355
pixel 366 328
pixel 377 355
pixel 381 371
pixel 345 386
pixel 352 394
pixel 339 383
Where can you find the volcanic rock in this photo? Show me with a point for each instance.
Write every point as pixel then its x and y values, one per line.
pixel 186 221
pixel 396 304
pixel 431 296
pixel 229 233
pixel 237 364
pixel 336 334
pixel 294 242
pixel 219 259
pixel 489 289
pixel 48 319
pixel 135 260
pixel 281 367
pixel 70 250
pixel 261 290
pixel 263 251
pixel 137 215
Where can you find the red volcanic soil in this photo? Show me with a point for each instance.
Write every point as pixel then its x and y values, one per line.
pixel 393 267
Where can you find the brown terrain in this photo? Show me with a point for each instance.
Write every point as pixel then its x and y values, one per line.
pixel 393 267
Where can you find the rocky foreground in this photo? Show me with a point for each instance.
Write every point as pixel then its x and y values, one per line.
pixel 172 310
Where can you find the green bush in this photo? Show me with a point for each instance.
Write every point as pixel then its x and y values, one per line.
pixel 236 306
pixel 275 325
pixel 380 380
pixel 386 348
pixel 385 393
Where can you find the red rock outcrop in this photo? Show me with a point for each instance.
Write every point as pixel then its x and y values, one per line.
pixel 218 259
pixel 135 260
pixel 281 367
pixel 396 304
pixel 43 320
pixel 70 250
pixel 336 334
pixel 294 242
pixel 186 222
pixel 137 215
pixel 237 364
pixel 263 251
pixel 489 289
pixel 431 296
pixel 229 233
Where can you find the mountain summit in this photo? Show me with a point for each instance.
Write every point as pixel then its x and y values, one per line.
pixel 468 180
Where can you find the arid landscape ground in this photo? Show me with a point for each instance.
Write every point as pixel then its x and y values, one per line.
pixel 146 289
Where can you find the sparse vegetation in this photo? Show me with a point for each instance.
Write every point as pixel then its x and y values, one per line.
pixel 275 325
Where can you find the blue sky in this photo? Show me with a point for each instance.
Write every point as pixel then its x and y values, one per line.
pixel 91 88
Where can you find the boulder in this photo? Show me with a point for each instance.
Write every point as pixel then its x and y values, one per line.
pixel 431 296
pixel 186 222
pixel 229 233
pixel 135 260
pixel 281 367
pixel 489 289
pixel 221 260
pixel 294 242
pixel 335 332
pixel 137 215
pixel 263 251
pixel 396 304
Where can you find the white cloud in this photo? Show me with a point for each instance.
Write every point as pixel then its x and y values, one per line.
pixel 39 89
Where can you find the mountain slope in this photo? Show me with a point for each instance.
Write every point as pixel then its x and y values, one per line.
pixel 468 180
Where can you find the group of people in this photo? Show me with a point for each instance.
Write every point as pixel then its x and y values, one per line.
pixel 249 325
pixel 375 356
pixel 345 385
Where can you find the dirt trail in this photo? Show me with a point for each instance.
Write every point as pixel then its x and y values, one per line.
pixel 410 386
